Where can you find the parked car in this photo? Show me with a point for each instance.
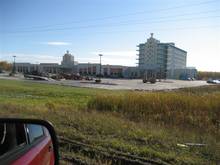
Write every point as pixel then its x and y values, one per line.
pixel 211 81
pixel 88 78
pixel 216 81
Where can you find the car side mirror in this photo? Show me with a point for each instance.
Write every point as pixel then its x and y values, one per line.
pixel 28 141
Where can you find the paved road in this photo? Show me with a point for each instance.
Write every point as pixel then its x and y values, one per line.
pixel 119 84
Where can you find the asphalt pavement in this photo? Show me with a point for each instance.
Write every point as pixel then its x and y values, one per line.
pixel 118 84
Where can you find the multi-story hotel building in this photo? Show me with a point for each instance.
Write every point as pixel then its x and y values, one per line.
pixel 161 59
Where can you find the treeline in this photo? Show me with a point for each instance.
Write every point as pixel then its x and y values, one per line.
pixel 4 65
pixel 207 75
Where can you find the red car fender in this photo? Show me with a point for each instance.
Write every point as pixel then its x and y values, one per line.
pixel 42 153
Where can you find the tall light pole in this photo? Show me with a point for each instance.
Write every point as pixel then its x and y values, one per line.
pixel 13 69
pixel 160 73
pixel 100 72
pixel 88 69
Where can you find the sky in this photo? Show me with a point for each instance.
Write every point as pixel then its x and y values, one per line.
pixel 43 30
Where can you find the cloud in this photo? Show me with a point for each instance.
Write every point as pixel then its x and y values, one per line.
pixel 32 58
pixel 116 53
pixel 127 58
pixel 111 61
pixel 57 43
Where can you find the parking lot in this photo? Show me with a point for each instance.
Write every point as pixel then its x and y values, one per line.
pixel 135 84
pixel 118 84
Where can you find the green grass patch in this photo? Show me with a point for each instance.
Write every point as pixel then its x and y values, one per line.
pixel 147 124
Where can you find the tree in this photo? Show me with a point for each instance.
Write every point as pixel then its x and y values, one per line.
pixel 4 65
pixel 207 75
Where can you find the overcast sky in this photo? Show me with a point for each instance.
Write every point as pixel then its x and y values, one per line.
pixel 42 30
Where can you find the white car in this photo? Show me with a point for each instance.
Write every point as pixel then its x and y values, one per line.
pixel 213 81
pixel 216 81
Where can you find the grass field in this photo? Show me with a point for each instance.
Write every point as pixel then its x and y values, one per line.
pixel 148 125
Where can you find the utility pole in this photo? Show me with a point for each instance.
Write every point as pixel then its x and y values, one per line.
pixel 100 72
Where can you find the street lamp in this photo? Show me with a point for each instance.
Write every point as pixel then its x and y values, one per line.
pixel 13 69
pixel 160 74
pixel 88 73
pixel 100 72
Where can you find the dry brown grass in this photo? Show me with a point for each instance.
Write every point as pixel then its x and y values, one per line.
pixel 179 109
